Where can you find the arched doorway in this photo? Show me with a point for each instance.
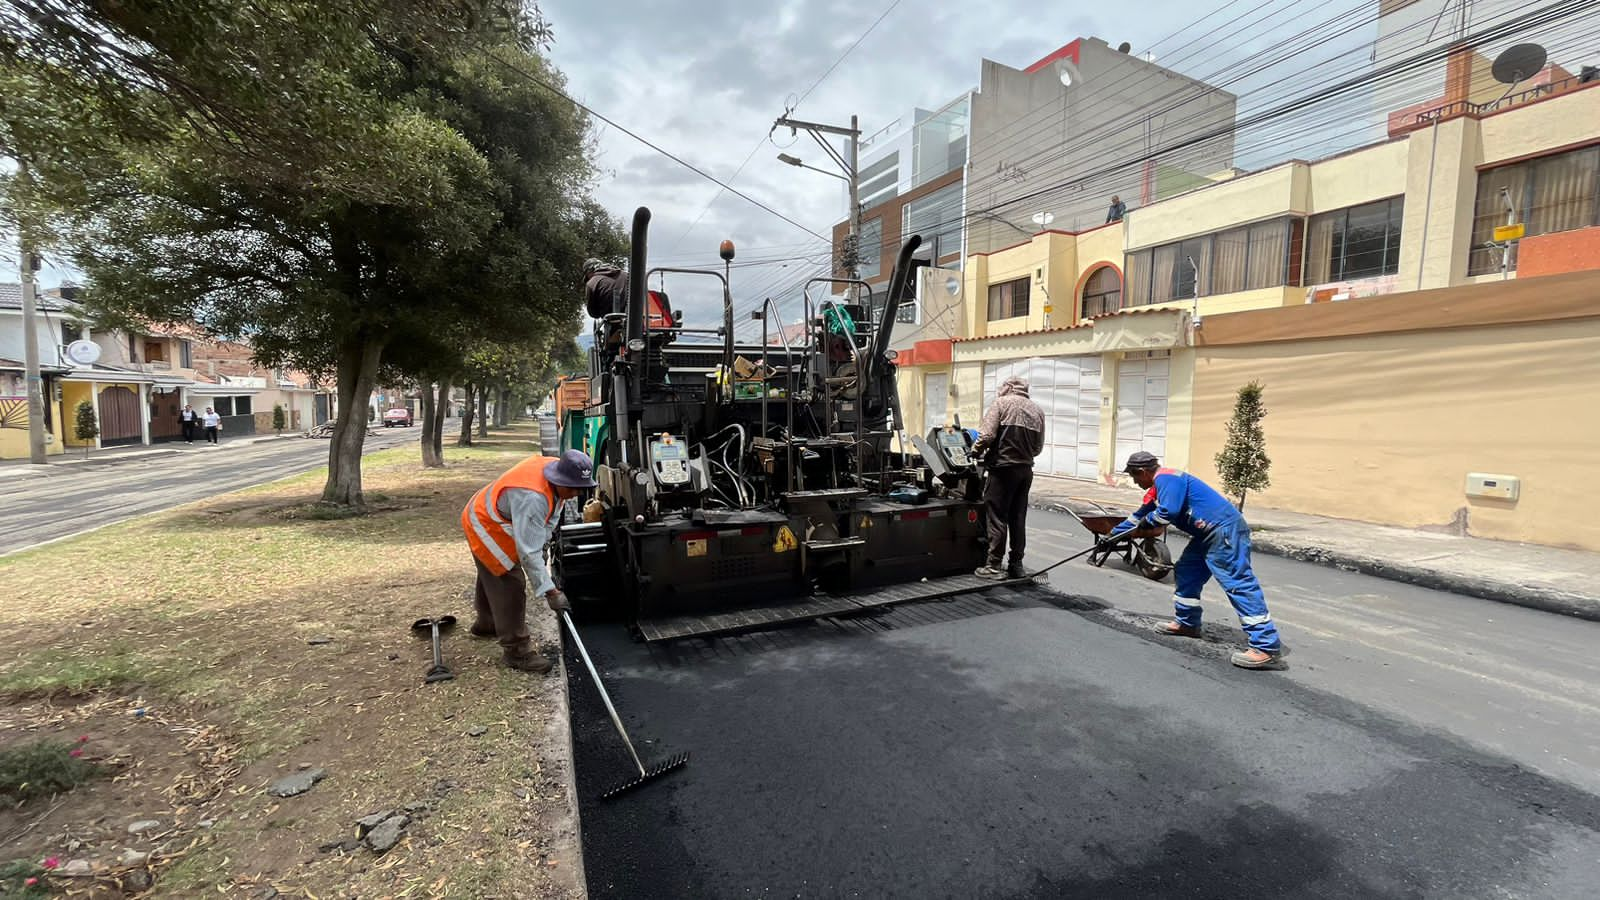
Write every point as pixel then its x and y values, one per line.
pixel 1102 292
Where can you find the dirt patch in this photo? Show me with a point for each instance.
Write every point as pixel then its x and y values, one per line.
pixel 260 645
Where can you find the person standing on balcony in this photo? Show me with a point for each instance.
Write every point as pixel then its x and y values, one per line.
pixel 1117 211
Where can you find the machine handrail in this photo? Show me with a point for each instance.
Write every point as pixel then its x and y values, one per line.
pixel 727 313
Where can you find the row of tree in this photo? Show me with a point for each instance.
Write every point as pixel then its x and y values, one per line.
pixel 366 189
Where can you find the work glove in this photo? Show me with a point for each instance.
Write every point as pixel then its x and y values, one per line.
pixel 557 600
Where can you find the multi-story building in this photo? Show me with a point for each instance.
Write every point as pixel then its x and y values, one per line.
pixel 1404 344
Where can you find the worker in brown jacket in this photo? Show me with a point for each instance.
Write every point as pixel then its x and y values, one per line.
pixel 1010 437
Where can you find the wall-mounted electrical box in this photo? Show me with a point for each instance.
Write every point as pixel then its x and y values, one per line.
pixel 1497 487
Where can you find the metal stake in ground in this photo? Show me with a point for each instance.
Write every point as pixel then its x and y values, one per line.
pixel 644 774
pixel 439 671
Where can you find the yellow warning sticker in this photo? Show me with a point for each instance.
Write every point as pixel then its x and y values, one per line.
pixel 696 547
pixel 785 541
pixel 866 522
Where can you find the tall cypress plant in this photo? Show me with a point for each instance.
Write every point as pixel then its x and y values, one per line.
pixel 1243 461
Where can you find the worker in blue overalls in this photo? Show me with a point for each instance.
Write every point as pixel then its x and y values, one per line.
pixel 1219 547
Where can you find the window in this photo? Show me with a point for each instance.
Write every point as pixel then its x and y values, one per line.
pixel 1358 242
pixel 69 333
pixel 937 217
pixel 223 406
pixel 241 406
pixel 1102 293
pixel 1250 257
pixel 133 350
pixel 1553 193
pixel 155 351
pixel 1008 300
pixel 880 181
pixel 870 250
pixel 906 312
pixel 185 354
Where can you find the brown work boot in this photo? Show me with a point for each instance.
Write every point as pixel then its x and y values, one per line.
pixel 532 661
pixel 1178 629
pixel 1256 659
pixel 991 572
pixel 482 628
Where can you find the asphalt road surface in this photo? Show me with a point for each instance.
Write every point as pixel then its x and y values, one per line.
pixel 78 497
pixel 1045 743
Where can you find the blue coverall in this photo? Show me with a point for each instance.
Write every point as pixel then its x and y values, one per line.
pixel 1219 546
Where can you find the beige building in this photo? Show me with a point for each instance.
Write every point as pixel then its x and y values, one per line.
pixel 1137 335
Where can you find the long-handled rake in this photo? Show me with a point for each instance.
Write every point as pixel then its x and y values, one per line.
pixel 645 775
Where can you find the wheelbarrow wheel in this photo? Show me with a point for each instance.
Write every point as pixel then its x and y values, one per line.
pixel 1153 559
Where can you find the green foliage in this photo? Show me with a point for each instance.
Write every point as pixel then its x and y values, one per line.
pixel 16 875
pixel 84 428
pixel 280 419
pixel 41 768
pixel 1243 463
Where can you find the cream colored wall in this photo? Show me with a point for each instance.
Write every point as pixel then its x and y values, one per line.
pixel 1180 408
pixel 1262 195
pixel 1440 259
pixel 1556 122
pixel 1385 428
pixel 1361 177
pixel 1239 301
pixel 966 382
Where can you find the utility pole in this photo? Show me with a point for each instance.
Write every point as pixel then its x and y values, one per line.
pixel 849 163
pixel 30 344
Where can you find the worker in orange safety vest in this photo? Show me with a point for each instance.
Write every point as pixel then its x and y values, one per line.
pixel 507 524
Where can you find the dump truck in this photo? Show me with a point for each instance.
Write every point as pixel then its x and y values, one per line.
pixel 746 486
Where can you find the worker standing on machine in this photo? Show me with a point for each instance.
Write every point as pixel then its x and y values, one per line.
pixel 1219 547
pixel 510 520
pixel 1010 437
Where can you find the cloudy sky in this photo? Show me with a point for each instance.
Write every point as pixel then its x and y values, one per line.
pixel 705 79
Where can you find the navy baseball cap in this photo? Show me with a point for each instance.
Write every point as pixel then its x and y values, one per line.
pixel 573 470
pixel 1141 460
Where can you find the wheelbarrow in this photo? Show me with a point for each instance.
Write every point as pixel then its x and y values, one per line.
pixel 1145 550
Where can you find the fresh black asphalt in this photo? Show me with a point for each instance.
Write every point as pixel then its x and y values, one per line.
pixel 1041 744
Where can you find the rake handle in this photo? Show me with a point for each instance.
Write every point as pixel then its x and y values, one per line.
pixel 604 697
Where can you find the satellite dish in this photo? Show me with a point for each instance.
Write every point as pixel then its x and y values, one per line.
pixel 1043 218
pixel 84 353
pixel 1124 47
pixel 952 286
pixel 1518 63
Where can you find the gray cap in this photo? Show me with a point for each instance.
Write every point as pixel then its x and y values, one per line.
pixel 573 470
pixel 1141 460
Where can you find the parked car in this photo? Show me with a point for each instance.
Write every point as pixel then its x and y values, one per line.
pixel 397 416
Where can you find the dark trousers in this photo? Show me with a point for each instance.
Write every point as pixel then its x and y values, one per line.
pixel 1006 497
pixel 502 600
pixel 211 433
pixel 188 431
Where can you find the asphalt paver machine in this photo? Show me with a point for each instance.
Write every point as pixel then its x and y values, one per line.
pixel 747 486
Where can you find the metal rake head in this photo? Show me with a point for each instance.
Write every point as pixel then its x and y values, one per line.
pixel 656 771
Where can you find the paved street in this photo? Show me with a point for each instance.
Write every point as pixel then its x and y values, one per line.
pixel 77 497
pixel 1046 744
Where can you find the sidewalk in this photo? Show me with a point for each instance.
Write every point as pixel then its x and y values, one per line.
pixel 1547 578
pixel 18 468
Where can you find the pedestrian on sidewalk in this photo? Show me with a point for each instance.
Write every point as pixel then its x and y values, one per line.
pixel 507 524
pixel 1219 546
pixel 213 423
pixel 189 419
pixel 1010 437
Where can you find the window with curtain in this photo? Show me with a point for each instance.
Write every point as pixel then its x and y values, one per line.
pixel 1554 193
pixel 1250 257
pixel 1229 254
pixel 1267 265
pixel 1136 267
pixel 1356 242
pixel 1102 293
pixel 1008 300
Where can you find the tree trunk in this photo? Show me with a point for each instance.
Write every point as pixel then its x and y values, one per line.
pixel 1241 501
pixel 441 412
pixel 465 438
pixel 483 412
pixel 431 458
pixel 358 374
pixel 505 407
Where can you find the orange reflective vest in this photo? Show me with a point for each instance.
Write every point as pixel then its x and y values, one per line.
pixel 488 531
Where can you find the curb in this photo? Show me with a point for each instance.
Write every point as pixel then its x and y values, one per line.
pixel 567 843
pixel 1563 603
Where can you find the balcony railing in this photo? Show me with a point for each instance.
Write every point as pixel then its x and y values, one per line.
pixel 1460 108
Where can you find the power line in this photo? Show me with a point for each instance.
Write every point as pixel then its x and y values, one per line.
pixel 667 153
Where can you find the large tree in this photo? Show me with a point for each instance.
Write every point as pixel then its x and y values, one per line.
pixel 450 200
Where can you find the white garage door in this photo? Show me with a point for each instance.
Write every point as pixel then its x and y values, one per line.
pixel 1142 384
pixel 1067 389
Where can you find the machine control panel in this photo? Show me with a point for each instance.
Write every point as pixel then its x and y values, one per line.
pixel 669 460
pixel 953 444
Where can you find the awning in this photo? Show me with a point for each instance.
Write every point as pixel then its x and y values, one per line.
pixel 108 374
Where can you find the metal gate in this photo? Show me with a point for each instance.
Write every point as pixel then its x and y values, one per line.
pixel 120 422
pixel 1142 386
pixel 1067 389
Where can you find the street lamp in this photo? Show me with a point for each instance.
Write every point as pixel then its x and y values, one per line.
pixel 798 163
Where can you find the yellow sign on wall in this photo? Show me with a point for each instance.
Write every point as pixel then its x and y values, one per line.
pixel 785 541
pixel 1510 232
